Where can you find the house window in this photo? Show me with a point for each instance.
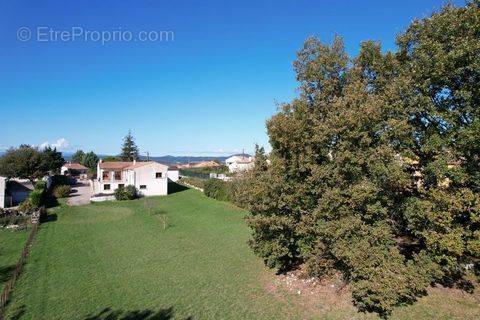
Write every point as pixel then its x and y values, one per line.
pixel 143 187
pixel 121 185
pixel 106 187
pixel 159 175
pixel 118 175
pixel 106 175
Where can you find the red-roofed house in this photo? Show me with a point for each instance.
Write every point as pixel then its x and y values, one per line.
pixel 74 169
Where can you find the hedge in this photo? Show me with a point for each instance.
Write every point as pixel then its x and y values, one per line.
pixel 217 189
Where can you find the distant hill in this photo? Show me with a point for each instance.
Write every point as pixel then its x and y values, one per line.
pixel 183 159
pixel 168 159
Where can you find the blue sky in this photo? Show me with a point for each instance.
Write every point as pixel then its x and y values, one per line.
pixel 207 92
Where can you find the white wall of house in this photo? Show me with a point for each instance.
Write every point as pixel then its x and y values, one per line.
pixel 146 180
pixel 3 187
pixel 240 166
pixel 113 183
pixel 143 178
pixel 173 175
pixel 238 158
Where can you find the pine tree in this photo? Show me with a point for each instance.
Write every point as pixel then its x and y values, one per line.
pixel 129 149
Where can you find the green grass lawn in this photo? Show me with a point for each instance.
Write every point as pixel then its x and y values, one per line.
pixel 115 261
pixel 11 246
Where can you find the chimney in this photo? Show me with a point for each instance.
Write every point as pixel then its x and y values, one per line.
pixel 134 162
pixel 101 160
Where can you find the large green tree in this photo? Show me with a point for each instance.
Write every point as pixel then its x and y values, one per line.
pixel 77 157
pixel 375 166
pixel 24 162
pixel 129 149
pixel 90 160
pixel 52 160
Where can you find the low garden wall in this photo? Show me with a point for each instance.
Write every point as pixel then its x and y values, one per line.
pixel 102 198
pixel 4 297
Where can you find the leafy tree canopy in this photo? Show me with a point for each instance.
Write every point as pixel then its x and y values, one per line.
pixel 52 160
pixel 24 162
pixel 77 157
pixel 374 168
pixel 90 160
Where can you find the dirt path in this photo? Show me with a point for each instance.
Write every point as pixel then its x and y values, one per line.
pixel 81 194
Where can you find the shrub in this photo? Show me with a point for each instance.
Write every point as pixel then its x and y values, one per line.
pixel 26 206
pixel 36 198
pixel 40 185
pixel 217 189
pixel 12 217
pixel 126 193
pixel 61 191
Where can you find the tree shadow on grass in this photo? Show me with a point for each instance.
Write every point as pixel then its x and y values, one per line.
pixel 50 217
pixel 18 313
pixel 109 314
pixel 5 273
pixel 174 187
pixel 51 202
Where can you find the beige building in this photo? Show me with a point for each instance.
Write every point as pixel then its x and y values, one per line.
pixel 74 169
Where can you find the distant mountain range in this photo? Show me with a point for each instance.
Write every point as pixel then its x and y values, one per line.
pixel 183 159
pixel 170 159
pixel 164 159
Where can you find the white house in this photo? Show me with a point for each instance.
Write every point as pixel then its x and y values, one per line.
pixel 3 191
pixel 239 163
pixel 74 169
pixel 173 173
pixel 13 191
pixel 149 177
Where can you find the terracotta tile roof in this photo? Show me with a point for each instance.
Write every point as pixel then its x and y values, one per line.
pixel 172 167
pixel 138 164
pixel 123 165
pixel 75 166
pixel 114 165
pixel 239 159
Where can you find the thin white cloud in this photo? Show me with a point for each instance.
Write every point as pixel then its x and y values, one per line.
pixel 61 144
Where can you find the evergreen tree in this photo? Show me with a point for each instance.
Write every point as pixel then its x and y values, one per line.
pixel 129 149
pixel 374 168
